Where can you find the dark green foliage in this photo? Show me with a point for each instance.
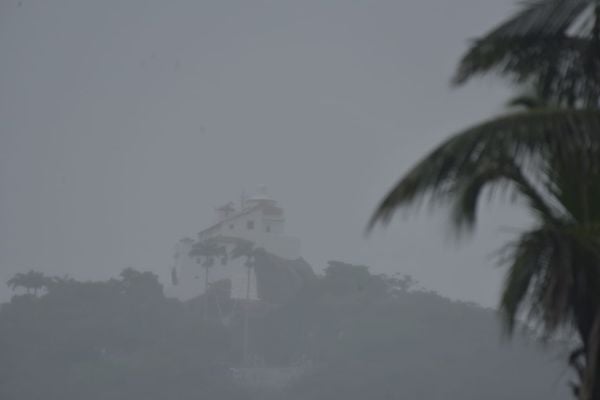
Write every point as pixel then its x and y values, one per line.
pixel 277 279
pixel 362 336
pixel 31 281
pixel 368 336
pixel 554 44
pixel 120 339
pixel 508 151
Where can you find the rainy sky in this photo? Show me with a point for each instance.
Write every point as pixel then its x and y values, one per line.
pixel 124 123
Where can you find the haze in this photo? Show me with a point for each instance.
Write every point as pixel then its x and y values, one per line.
pixel 123 124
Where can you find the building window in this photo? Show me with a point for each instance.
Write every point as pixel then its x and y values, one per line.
pixel 250 224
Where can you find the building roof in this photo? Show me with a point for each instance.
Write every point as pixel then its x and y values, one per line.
pixel 230 218
pixel 261 201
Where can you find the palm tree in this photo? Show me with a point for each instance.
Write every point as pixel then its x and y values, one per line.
pixel 547 156
pixel 554 266
pixel 31 281
pixel 245 248
pixel 206 252
pixel 553 43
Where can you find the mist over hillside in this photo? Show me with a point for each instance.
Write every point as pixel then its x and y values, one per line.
pixel 292 200
pixel 350 333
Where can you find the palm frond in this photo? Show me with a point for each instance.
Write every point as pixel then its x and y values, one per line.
pixel 549 17
pixel 511 139
pixel 541 278
pixel 549 267
pixel 574 181
pixel 552 293
pixel 467 195
pixel 207 249
pixel 242 248
pixel 554 43
pixel 469 188
pixel 526 257
pixel 526 102
pixel 564 68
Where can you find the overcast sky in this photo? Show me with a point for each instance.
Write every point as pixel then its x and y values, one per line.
pixel 124 123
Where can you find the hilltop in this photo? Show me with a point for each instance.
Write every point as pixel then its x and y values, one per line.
pixel 360 335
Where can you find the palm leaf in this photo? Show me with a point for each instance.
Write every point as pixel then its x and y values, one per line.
pixel 565 68
pixel 526 257
pixel 549 17
pixel 514 139
pixel 242 248
pixel 467 195
pixel 544 264
pixel 553 43
pixel 552 294
pixel 527 102
pixel 207 249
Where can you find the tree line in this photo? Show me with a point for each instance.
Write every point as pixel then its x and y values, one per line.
pixel 363 335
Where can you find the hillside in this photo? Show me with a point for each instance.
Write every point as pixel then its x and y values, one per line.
pixel 365 336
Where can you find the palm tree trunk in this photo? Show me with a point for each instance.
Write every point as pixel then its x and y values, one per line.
pixel 590 389
pixel 206 294
pixel 206 280
pixel 246 319
pixel 587 316
pixel 248 284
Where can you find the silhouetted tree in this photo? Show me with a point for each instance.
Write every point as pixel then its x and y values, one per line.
pixel 552 44
pixel 31 281
pixel 206 252
pixel 122 339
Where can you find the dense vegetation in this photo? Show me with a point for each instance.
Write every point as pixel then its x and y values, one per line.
pixel 366 336
pixel 120 339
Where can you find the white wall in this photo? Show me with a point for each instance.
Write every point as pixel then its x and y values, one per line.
pixel 191 275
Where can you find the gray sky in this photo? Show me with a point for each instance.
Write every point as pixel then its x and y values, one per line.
pixel 123 123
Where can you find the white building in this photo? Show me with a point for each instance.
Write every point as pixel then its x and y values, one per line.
pixel 259 220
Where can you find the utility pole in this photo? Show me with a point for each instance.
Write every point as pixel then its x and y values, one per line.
pixel 206 293
pixel 246 317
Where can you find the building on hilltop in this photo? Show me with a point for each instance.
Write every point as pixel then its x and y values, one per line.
pixel 259 220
